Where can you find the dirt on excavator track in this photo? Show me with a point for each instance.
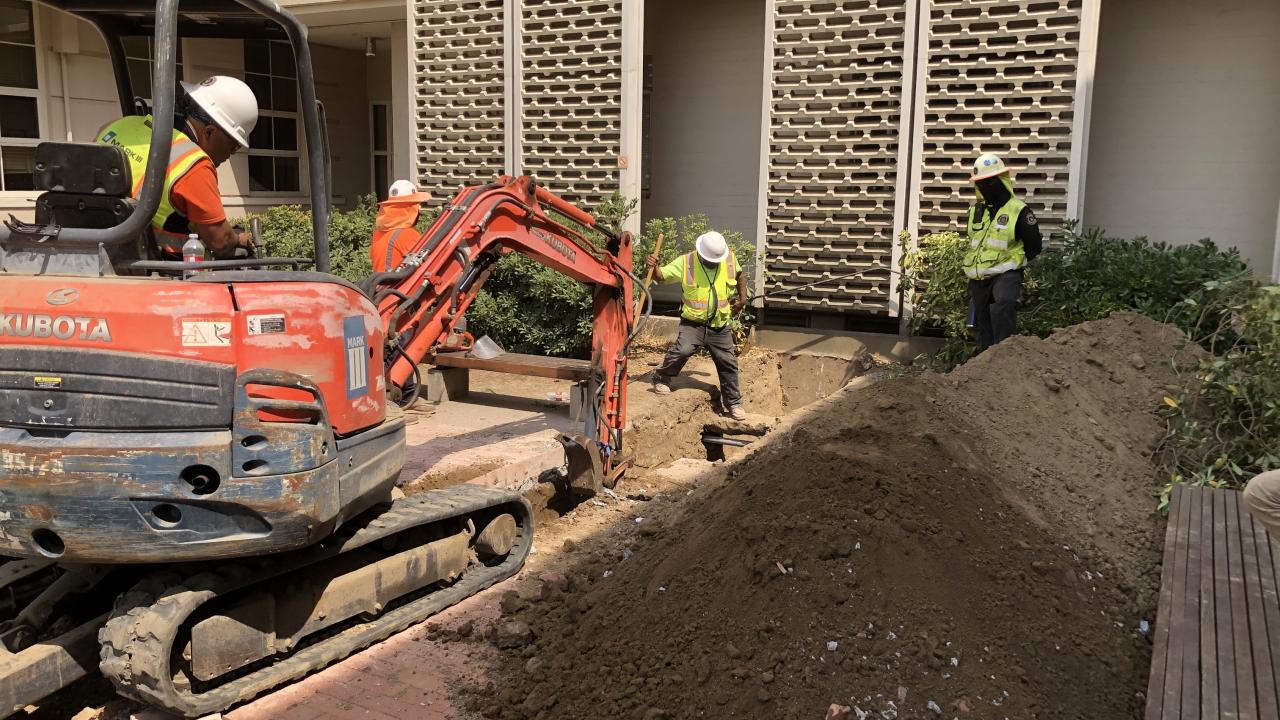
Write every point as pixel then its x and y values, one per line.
pixel 979 544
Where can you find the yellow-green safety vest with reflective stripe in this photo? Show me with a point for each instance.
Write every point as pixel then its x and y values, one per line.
pixel 993 247
pixel 133 135
pixel 708 295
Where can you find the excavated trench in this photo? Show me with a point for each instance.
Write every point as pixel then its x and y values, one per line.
pixel 686 423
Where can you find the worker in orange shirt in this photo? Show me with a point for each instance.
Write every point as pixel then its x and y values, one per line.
pixel 393 231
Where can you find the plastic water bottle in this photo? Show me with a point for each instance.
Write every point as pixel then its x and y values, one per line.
pixel 192 252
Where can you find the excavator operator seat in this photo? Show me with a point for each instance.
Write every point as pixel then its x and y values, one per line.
pixel 85 185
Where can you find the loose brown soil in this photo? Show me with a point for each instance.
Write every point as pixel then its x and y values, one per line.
pixel 980 544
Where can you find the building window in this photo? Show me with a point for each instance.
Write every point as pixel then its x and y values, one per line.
pixel 646 130
pixel 140 58
pixel 19 96
pixel 273 147
pixel 381 150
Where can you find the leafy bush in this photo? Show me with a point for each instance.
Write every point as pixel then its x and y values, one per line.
pixel 528 308
pixel 1224 427
pixel 1089 277
pixel 286 232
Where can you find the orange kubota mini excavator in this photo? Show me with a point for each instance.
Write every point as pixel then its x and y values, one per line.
pixel 197 459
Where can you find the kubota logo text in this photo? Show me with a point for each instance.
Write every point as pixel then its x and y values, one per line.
pixel 62 327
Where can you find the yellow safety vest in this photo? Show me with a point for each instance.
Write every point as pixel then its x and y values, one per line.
pixel 994 249
pixel 707 294
pixel 132 134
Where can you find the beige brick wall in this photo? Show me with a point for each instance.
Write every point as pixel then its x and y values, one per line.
pixel 835 113
pixel 1000 77
pixel 459 84
pixel 1185 141
pixel 571 96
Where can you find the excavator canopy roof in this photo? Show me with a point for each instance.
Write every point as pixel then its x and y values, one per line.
pixel 196 19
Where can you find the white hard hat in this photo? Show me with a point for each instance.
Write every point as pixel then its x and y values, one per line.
pixel 712 247
pixel 988 165
pixel 403 191
pixel 229 103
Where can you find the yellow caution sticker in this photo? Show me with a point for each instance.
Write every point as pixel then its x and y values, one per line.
pixel 48 382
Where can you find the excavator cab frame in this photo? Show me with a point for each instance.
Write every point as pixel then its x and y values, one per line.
pixel 51 248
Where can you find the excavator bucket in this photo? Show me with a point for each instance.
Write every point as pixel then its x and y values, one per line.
pixel 586 472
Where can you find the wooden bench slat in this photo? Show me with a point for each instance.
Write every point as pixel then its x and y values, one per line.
pixel 519 364
pixel 1246 688
pixel 1191 608
pixel 1228 701
pixel 1208 617
pixel 1160 640
pixel 1269 560
pixel 1178 630
pixel 1254 578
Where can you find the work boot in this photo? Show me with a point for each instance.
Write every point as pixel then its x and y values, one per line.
pixel 661 387
pixel 737 413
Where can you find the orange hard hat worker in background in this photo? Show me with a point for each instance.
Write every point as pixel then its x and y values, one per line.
pixel 393 231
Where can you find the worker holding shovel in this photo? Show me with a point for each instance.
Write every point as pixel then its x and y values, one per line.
pixel 714 290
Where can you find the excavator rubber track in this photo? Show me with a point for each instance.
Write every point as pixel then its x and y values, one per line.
pixel 141 643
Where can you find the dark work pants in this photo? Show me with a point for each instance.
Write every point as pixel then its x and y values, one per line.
pixel 719 342
pixel 995 307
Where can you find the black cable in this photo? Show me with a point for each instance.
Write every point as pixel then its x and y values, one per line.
pixel 417 379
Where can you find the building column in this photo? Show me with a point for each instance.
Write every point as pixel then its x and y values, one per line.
pixel 629 158
pixel 403 148
pixel 1089 17
pixel 1275 260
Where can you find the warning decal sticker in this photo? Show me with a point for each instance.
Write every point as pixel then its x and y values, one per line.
pixel 266 324
pixel 206 333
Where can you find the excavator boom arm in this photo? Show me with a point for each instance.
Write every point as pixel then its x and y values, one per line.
pixel 422 301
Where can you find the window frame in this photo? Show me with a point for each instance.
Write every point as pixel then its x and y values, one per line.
pixel 180 70
pixel 41 95
pixel 263 114
pixel 374 153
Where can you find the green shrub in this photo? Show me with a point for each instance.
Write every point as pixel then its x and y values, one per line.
pixel 1223 427
pixel 529 308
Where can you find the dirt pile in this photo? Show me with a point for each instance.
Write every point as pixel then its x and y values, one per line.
pixel 972 545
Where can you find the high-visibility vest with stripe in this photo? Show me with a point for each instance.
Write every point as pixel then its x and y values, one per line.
pixel 993 247
pixel 389 246
pixel 708 293
pixel 132 134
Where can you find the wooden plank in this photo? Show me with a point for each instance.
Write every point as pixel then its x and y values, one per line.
pixel 1191 607
pixel 1180 636
pixel 1264 683
pixel 1160 638
pixel 1260 581
pixel 1246 689
pixel 1208 618
pixel 1273 605
pixel 519 364
pixel 1228 700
